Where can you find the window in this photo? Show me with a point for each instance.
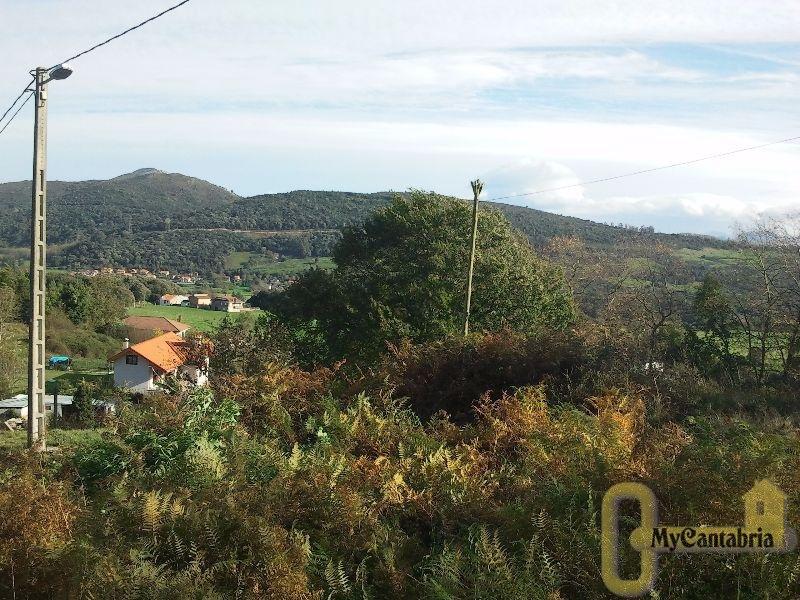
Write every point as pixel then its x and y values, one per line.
pixel 131 359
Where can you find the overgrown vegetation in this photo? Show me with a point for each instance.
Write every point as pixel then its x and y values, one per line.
pixel 355 445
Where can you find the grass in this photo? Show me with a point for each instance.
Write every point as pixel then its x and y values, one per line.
pixel 234 260
pixel 198 318
pixel 290 266
pixel 62 438
pixel 254 262
pixel 240 291
pixel 67 381
pixel 709 257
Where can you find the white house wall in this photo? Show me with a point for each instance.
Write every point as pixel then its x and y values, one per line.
pixel 138 378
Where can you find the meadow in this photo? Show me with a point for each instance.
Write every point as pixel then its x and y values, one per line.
pixel 198 318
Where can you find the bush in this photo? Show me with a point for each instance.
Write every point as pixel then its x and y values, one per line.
pixel 37 528
pixel 454 374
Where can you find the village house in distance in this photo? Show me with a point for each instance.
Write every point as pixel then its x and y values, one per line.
pixel 224 303
pixel 173 300
pixel 142 367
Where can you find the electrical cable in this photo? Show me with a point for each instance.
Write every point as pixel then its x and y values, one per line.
pixel 661 168
pixel 119 35
pixel 21 94
pixel 16 113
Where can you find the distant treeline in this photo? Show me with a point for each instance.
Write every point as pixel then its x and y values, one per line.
pixel 186 251
pixel 158 220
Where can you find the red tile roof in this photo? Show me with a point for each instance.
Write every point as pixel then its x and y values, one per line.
pixel 166 352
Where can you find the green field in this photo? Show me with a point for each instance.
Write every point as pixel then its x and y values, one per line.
pixel 234 260
pixel 198 318
pixel 709 257
pixel 67 381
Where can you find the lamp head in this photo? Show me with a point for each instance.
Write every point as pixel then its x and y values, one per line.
pixel 61 71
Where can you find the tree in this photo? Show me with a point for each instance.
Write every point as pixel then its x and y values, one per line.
pixel 8 309
pixel 82 401
pixel 715 324
pixel 75 300
pixel 139 290
pixel 12 361
pixel 768 309
pixel 649 305
pixel 12 365
pixel 240 346
pixel 402 275
pixel 593 274
pixel 110 300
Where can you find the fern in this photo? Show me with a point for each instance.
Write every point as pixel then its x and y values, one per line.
pixel 152 510
pixel 337 579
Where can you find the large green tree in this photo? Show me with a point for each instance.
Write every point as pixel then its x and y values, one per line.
pixel 402 275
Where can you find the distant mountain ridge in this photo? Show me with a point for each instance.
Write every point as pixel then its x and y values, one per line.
pixel 138 216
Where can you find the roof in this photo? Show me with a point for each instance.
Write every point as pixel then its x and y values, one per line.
pixel 200 296
pixel 165 352
pixel 227 298
pixel 21 401
pixel 155 324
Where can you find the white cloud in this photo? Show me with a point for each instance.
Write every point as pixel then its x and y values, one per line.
pixel 365 95
pixel 530 176
pixel 699 212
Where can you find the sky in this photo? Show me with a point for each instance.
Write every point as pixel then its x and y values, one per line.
pixel 372 95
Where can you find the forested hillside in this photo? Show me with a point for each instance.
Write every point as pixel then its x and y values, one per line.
pixel 153 219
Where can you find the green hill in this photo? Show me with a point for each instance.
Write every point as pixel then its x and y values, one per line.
pixel 153 219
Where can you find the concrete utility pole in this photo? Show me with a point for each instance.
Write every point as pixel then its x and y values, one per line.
pixel 477 188
pixel 36 330
pixel 36 351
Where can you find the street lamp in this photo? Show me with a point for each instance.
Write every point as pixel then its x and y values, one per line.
pixel 61 71
pixel 36 329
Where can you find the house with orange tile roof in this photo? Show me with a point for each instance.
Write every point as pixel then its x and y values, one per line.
pixel 140 328
pixel 143 366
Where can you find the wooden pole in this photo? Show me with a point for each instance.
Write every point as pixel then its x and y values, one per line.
pixel 477 188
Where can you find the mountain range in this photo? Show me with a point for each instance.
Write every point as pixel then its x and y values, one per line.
pixel 149 218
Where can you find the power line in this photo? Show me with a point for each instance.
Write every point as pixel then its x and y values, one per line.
pixel 661 168
pixel 127 31
pixel 95 47
pixel 21 94
pixel 15 113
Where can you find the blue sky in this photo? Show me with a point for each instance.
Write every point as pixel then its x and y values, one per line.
pixel 366 96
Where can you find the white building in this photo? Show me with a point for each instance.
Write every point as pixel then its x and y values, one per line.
pixel 227 304
pixel 141 367
pixel 18 405
pixel 172 299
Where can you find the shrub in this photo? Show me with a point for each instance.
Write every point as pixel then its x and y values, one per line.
pixel 454 374
pixel 38 525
